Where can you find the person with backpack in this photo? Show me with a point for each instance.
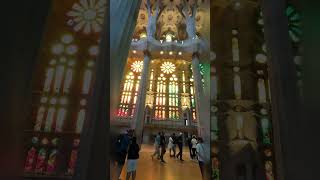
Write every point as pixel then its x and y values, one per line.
pixel 122 145
pixel 133 156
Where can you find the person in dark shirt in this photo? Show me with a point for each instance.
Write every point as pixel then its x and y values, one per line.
pixel 133 156
pixel 122 144
pixel 162 146
pixel 180 146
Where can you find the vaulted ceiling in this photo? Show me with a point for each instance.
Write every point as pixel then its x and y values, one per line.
pixel 170 18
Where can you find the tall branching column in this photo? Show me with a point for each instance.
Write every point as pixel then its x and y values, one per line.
pixel 138 117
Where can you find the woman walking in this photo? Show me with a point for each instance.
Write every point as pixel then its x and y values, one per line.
pixel 133 156
pixel 170 146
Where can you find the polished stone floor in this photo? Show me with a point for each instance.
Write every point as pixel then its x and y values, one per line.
pixel 174 169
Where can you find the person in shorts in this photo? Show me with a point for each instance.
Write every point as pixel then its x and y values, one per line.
pixel 133 156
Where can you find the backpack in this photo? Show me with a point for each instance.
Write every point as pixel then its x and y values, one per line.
pixel 118 143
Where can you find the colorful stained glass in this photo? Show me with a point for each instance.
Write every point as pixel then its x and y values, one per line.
pixel 42 156
pixel 269 170
pixel 59 78
pixel 168 67
pixel 129 94
pixel 40 116
pixel 86 81
pixel 60 119
pixel 31 156
pixel 50 119
pixel 137 66
pixel 49 78
pixel 73 157
pixel 52 158
pixel 265 131
pixel 294 20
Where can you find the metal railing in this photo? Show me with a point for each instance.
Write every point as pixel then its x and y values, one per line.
pixel 163 123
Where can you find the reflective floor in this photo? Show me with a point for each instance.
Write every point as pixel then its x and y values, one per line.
pixel 173 169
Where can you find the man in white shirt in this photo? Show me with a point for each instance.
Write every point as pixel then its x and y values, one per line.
pixel 201 154
pixel 194 146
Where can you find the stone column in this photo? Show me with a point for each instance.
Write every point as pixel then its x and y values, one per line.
pixel 203 121
pixel 138 117
pixel 203 112
pixel 92 162
pixel 284 92
pixel 123 17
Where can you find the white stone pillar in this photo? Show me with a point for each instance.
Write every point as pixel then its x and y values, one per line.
pixel 202 105
pixel 123 18
pixel 138 117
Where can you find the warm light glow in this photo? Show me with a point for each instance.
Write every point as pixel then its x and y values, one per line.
pixel 134 51
pixel 137 66
pixel 143 35
pixel 180 53
pixel 169 37
pixel 168 67
pixel 170 52
pixel 161 52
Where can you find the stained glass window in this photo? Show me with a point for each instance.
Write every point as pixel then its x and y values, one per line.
pixel 235 46
pixel 31 155
pixel 294 20
pixel 73 156
pixel 173 98
pixel 52 157
pixel 170 89
pixel 42 156
pixel 130 88
pixel 160 112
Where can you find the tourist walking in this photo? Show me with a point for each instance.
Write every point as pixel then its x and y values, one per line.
pixel 170 146
pixel 174 138
pixel 122 145
pixel 162 146
pixel 156 146
pixel 201 155
pixel 194 146
pixel 180 146
pixel 133 156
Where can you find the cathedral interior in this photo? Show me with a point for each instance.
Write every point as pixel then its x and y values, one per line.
pixel 199 67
